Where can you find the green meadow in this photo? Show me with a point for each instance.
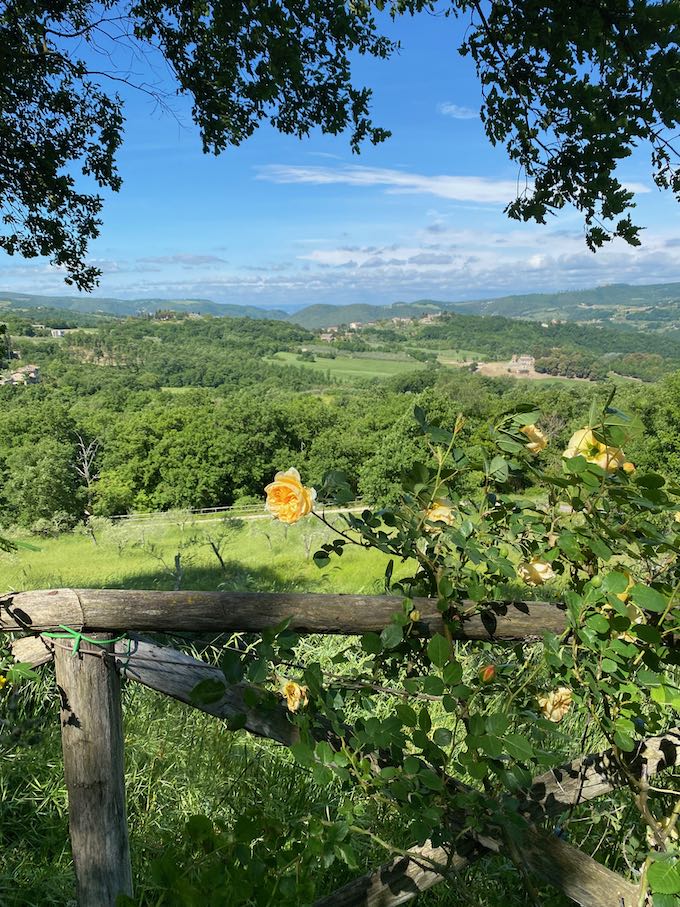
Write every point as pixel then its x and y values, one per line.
pixel 257 554
pixel 349 368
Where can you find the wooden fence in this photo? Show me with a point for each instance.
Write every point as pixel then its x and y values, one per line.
pixel 92 727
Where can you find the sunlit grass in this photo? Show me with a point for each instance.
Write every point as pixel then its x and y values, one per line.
pixel 347 368
pixel 259 555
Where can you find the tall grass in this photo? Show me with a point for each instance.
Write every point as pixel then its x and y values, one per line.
pixel 258 554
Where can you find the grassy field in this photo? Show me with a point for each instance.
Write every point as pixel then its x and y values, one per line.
pixel 180 762
pixel 349 368
pixel 258 555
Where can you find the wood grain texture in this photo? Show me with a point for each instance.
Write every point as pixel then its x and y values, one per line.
pixel 576 874
pixel 32 650
pixel 598 774
pixel 123 609
pixel 400 881
pixel 92 743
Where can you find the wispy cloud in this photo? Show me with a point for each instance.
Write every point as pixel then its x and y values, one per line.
pixel 457 112
pixel 478 189
pixel 184 259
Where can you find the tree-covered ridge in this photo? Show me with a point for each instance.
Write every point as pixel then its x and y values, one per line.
pixel 502 337
pixel 621 303
pixel 196 353
pixel 27 303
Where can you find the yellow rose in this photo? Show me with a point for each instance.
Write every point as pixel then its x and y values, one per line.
pixel 287 498
pixel 3 681
pixel 676 516
pixel 583 443
pixel 636 616
pixel 414 616
pixel 535 572
pixel 628 467
pixel 439 513
pixel 295 695
pixel 537 440
pixel 556 704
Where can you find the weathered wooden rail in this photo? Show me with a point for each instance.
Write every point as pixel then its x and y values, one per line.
pixel 92 728
pixel 226 612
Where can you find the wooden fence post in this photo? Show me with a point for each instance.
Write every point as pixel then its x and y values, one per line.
pixel 92 741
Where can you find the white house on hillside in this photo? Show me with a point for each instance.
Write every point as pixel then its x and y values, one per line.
pixel 521 365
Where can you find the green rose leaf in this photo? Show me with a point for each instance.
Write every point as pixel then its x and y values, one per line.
pixel 518 747
pixel 664 876
pixel 648 599
pixel 438 650
pixel 391 636
pixel 371 643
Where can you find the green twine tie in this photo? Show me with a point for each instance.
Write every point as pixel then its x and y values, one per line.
pixel 77 636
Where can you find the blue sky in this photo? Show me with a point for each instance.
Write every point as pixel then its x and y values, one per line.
pixel 285 222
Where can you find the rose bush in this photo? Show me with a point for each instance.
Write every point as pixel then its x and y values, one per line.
pixel 446 735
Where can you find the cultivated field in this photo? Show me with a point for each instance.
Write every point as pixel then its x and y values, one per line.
pixel 349 368
pixel 500 370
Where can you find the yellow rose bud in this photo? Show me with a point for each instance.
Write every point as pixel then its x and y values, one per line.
pixel 535 572
pixel 3 681
pixel 439 513
pixel 628 467
pixel 583 443
pixel 676 516
pixel 287 498
pixel 295 695
pixel 623 596
pixel 414 616
pixel 556 704
pixel 537 440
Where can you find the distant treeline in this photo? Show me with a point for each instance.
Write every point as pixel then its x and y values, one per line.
pixel 502 337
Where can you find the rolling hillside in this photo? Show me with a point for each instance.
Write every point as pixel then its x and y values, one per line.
pixel 129 307
pixel 653 307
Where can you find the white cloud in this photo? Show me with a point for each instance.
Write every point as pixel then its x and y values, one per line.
pixel 457 112
pixel 463 263
pixel 478 189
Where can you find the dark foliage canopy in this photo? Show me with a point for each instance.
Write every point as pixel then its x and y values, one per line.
pixel 570 88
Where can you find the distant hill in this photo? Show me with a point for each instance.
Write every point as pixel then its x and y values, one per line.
pixel 127 307
pixel 617 303
pixel 323 316
pixel 652 307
